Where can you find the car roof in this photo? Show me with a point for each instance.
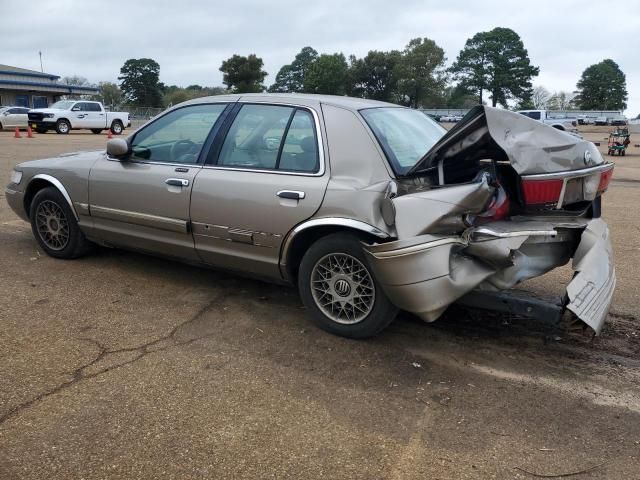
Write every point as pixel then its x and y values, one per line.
pixel 350 103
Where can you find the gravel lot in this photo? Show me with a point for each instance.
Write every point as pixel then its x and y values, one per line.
pixel 120 365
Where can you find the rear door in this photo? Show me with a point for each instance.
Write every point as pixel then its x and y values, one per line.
pixel 85 116
pixel 266 175
pixel 142 202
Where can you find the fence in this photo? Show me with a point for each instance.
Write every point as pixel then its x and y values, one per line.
pixel 439 112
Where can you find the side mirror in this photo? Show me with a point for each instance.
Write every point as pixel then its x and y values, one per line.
pixel 117 147
pixel 75 109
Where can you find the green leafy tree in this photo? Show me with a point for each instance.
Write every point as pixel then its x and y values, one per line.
pixel 243 74
pixel 140 82
pixel 419 74
pixel 328 74
pixel 290 78
pixel 110 94
pixel 603 86
pixel 460 97
pixel 374 75
pixel 497 62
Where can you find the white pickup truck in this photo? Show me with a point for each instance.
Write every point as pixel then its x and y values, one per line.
pixel 67 115
pixel 564 123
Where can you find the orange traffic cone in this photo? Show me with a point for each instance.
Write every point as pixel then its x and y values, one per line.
pixel 29 132
pixel 109 134
pixel 17 134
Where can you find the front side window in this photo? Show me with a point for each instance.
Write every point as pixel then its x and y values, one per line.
pixel 178 136
pixel 271 137
pixel 405 135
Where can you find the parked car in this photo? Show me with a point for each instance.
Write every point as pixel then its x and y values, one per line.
pixel 366 206
pixel 564 123
pixel 618 121
pixel 13 117
pixel 601 121
pixel 67 115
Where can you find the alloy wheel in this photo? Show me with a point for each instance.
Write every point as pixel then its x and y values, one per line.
pixel 52 225
pixel 342 288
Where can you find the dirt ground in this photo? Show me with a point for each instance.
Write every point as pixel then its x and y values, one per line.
pixel 120 365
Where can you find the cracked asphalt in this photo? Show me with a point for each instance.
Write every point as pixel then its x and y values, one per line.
pixel 124 366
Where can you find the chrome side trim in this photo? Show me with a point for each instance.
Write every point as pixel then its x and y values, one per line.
pixel 56 183
pixel 137 218
pixel 417 248
pixel 324 222
pixel 518 233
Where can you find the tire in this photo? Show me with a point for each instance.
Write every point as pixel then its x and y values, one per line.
pixel 341 256
pixel 116 127
pixel 63 126
pixel 49 213
pixel 97 131
pixel 1 127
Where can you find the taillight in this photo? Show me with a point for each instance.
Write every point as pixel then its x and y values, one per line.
pixel 541 192
pixel 605 178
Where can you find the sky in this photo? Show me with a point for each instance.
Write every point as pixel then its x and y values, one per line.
pixel 191 38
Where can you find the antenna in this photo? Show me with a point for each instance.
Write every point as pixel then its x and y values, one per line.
pixel 41 69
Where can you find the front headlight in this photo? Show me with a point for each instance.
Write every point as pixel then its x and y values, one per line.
pixel 16 177
pixel 48 115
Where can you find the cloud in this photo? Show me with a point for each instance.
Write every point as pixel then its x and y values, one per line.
pixel 191 38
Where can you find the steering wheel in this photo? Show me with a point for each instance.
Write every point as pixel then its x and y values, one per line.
pixel 187 147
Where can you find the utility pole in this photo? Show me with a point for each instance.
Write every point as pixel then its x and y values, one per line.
pixel 41 69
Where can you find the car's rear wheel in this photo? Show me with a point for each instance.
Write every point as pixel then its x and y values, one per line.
pixel 63 126
pixel 55 227
pixel 117 127
pixel 340 291
pixel 97 131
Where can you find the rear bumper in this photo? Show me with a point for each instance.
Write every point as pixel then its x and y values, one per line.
pixel 425 274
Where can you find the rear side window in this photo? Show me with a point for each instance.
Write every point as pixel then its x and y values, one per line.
pixel 271 137
pixel 94 107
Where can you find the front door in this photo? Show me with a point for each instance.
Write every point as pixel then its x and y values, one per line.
pixel 266 176
pixel 142 201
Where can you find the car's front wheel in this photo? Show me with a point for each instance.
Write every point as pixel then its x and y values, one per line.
pixel 55 227
pixel 340 291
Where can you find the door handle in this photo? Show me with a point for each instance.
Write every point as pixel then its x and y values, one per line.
pixel 291 194
pixel 177 182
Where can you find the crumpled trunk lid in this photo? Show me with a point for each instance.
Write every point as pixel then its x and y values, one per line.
pixel 529 146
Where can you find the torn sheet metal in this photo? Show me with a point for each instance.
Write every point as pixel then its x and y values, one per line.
pixel 430 210
pixel 591 290
pixel 530 146
pixel 427 273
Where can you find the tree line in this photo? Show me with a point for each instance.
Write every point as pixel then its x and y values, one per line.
pixel 492 66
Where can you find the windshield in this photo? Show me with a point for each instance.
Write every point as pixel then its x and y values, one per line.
pixel 404 134
pixel 63 104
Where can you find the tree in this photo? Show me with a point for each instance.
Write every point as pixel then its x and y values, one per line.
pixel 75 80
pixel 419 73
pixel 540 98
pixel 243 74
pixel 140 82
pixel 460 97
pixel 290 78
pixel 110 94
pixel 496 61
pixel 603 86
pixel 328 74
pixel 561 101
pixel 374 75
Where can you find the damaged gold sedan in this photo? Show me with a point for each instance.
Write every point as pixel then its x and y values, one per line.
pixel 367 207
